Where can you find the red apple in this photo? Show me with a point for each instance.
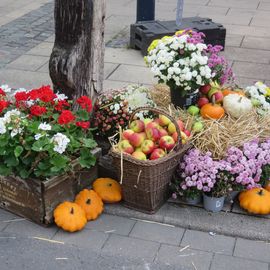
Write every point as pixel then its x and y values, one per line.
pixel 175 136
pixel 181 125
pixel 157 153
pixel 205 89
pixel 127 133
pixel 187 132
pixel 136 139
pixel 147 147
pixel 139 155
pixel 217 97
pixel 171 128
pixel 152 125
pixel 126 147
pixel 152 134
pixel 137 126
pixel 202 101
pixel 163 132
pixel 166 143
pixel 164 120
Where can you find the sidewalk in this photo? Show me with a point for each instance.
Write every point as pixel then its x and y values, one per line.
pixel 115 240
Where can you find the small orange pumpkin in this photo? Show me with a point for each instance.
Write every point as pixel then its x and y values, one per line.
pixel 90 202
pixel 212 111
pixel 227 92
pixel 256 201
pixel 108 189
pixel 69 216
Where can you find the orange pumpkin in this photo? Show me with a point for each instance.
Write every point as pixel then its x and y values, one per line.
pixel 212 111
pixel 90 202
pixel 108 189
pixel 69 216
pixel 227 92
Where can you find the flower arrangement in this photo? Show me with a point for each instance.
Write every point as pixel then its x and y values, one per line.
pixel 180 61
pixel 40 134
pixel 113 109
pixel 259 94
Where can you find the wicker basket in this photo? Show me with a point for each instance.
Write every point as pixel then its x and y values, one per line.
pixel 145 183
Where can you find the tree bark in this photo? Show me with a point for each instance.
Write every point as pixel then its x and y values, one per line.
pixel 77 60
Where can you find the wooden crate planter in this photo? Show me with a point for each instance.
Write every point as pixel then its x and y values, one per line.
pixel 36 200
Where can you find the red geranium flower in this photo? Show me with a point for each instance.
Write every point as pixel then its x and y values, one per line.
pixel 21 96
pixel 66 117
pixel 85 102
pixel 44 93
pixel 37 110
pixel 82 124
pixel 3 104
pixel 61 104
pixel 2 92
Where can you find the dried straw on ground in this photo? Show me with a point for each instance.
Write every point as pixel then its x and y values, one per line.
pixel 160 93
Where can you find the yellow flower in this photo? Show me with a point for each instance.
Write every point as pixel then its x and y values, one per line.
pixel 267 94
pixel 166 38
pixel 145 60
pixel 182 31
pixel 153 45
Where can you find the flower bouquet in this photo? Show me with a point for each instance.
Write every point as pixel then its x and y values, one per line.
pixel 181 62
pixel 40 135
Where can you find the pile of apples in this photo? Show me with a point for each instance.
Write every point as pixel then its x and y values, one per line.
pixel 151 139
pixel 209 93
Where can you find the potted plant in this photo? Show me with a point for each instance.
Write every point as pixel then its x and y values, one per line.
pixel 181 62
pixel 44 143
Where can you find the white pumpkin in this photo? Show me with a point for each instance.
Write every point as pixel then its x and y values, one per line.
pixel 236 105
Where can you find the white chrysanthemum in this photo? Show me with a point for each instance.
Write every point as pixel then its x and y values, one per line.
pixel 60 142
pixel 8 115
pixel 44 126
pixel 16 131
pixel 5 88
pixel 29 103
pixel 3 128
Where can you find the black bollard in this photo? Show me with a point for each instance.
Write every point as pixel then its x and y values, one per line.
pixel 145 10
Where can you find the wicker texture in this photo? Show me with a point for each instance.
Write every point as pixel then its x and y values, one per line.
pixel 145 183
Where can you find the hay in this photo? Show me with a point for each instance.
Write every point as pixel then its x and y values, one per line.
pixel 160 94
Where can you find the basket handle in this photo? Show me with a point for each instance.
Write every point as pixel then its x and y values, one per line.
pixel 163 112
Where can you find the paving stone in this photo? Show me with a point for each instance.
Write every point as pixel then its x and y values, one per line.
pixel 85 238
pixel 264 6
pixel 256 42
pixel 5 215
pixel 206 11
pixel 28 62
pixel 252 250
pixel 124 56
pixel 20 78
pixel 241 19
pixel 44 68
pixel 243 82
pixel 222 262
pixel 130 247
pixel 244 4
pixel 254 70
pixel 205 241
pixel 260 21
pixel 30 229
pixel 109 68
pixel 43 49
pixel 243 54
pixel 108 84
pixel 158 233
pixel 233 41
pixel 188 258
pixel 114 224
pixel 133 74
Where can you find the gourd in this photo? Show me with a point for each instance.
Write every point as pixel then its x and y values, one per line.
pixel 236 105
pixel 70 217
pixel 90 202
pixel 108 189
pixel 256 201
pixel 227 92
pixel 212 111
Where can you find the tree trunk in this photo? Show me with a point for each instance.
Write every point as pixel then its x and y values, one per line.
pixel 77 60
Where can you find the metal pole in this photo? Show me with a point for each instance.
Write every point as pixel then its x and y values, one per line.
pixel 145 10
pixel 179 12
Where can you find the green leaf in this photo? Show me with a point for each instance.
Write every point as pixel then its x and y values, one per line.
pixel 24 173
pixel 33 126
pixel 89 143
pixel 4 170
pixel 87 159
pixel 39 145
pixel 83 115
pixel 44 165
pixel 18 151
pixel 59 161
pixel 4 140
pixel 11 161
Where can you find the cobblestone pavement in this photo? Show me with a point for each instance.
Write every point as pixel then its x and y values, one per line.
pixel 113 242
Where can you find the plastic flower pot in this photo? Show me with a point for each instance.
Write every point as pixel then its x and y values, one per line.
pixel 213 204
pixel 183 100
pixel 194 201
pixel 231 197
